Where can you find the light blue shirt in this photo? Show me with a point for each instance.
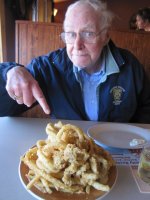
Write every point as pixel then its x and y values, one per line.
pixel 90 83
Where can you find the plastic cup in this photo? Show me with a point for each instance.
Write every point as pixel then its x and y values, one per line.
pixel 144 165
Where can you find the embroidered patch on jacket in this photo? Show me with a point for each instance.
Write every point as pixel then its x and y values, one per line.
pixel 117 93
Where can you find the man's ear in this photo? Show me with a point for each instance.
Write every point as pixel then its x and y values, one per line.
pixel 107 37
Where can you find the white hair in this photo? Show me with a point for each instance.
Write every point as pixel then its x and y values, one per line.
pixel 105 16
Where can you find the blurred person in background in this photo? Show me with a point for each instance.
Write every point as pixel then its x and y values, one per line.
pixel 143 19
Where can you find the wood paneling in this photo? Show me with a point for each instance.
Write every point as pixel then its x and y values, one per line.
pixel 136 42
pixel 38 38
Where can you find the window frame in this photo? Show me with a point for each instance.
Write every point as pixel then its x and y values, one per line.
pixel 3 51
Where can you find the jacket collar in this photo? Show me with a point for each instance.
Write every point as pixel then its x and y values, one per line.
pixel 116 53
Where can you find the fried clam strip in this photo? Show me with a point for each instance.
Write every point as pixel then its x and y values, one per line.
pixel 68 160
pixel 57 184
pixel 68 133
pixel 52 130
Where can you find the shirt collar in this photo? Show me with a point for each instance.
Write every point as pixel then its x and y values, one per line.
pixel 111 65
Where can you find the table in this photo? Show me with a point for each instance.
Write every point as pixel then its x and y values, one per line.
pixel 18 134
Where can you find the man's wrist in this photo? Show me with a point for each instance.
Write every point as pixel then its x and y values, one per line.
pixel 11 67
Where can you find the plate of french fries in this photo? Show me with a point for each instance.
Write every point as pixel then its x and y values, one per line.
pixel 67 165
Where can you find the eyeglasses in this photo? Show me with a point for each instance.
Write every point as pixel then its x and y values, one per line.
pixel 86 36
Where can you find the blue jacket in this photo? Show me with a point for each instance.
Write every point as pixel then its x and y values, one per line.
pixel 124 96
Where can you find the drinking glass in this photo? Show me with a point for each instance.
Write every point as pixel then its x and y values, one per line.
pixel 144 165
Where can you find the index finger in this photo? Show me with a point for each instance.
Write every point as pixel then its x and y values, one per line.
pixel 39 96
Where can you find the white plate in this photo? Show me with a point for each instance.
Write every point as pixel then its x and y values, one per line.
pixel 118 135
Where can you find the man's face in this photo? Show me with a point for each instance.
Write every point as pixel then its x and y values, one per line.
pixel 81 53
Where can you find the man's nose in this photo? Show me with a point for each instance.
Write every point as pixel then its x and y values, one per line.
pixel 78 43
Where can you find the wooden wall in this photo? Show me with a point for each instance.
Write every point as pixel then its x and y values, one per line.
pixel 136 42
pixel 38 38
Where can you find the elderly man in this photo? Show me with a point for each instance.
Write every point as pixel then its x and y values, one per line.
pixel 90 79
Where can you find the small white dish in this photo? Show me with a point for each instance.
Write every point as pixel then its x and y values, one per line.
pixel 119 135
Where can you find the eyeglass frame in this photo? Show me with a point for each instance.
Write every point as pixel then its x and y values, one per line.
pixel 82 37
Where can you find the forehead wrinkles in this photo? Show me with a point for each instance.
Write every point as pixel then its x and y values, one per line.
pixel 85 17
